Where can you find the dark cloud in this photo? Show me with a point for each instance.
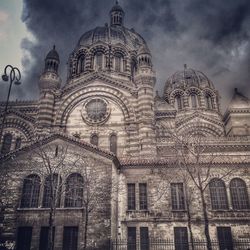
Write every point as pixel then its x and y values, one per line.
pixel 211 35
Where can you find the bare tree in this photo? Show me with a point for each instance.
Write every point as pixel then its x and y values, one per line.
pixel 195 163
pixel 54 163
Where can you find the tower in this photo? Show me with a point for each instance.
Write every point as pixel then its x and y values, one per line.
pixel 49 83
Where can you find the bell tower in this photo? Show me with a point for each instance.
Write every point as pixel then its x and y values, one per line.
pixel 49 83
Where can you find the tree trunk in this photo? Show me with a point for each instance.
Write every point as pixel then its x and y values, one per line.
pixel 190 227
pixel 86 223
pixel 206 221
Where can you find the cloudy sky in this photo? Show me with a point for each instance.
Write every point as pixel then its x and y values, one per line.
pixel 212 36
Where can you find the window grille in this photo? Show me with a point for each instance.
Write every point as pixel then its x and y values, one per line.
pixel 181 238
pixel 44 238
pixel 131 238
pixel 144 239
pixel 131 196
pixel 218 194
pixel 52 190
pixel 239 194
pixel 31 190
pixel 74 191
pixel 225 238
pixel 70 238
pixel 177 195
pixel 143 196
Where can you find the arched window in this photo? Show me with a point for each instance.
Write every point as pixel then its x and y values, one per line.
pixel 94 139
pixel 193 100
pixel 99 60
pixel 6 145
pixel 209 102
pixel 239 194
pixel 52 190
pixel 18 143
pixel 118 62
pixel 178 102
pixel 81 64
pixel 30 193
pixel 74 191
pixel 113 143
pixel 218 194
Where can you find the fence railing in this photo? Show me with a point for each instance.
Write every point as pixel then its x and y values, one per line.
pixel 159 244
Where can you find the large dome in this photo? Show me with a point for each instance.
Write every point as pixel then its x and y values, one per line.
pixel 188 78
pixel 113 35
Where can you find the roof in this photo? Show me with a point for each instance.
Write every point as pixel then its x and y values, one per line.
pixel 53 54
pixel 47 139
pixel 239 101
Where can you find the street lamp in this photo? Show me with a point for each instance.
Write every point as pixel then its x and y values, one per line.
pixel 13 76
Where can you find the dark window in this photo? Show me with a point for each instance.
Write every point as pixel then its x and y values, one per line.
pixel 6 145
pixel 52 190
pixel 194 100
pixel 113 143
pixel 94 139
pixel 81 64
pixel 18 143
pixel 239 194
pixel 177 196
pixel 131 238
pixel 143 196
pixel 44 238
pixel 209 102
pixel 178 102
pixel 118 62
pixel 180 238
pixel 70 238
pixel 74 191
pixel 99 60
pixel 31 190
pixel 218 194
pixel 131 196
pixel 133 68
pixel 24 235
pixel 225 238
pixel 144 239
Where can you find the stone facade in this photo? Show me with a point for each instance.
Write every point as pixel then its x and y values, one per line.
pixel 109 112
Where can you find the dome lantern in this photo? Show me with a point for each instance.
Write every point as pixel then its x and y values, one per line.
pixel 52 61
pixel 116 15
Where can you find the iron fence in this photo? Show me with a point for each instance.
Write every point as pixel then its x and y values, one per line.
pixel 159 244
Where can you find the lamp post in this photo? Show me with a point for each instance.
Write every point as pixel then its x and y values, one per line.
pixel 14 75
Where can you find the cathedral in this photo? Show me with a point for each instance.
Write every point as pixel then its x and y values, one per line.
pixel 166 170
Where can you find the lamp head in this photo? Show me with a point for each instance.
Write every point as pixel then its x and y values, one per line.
pixel 17 82
pixel 5 77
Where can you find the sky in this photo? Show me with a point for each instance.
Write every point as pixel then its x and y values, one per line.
pixel 212 36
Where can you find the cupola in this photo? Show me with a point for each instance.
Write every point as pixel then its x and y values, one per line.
pixel 116 15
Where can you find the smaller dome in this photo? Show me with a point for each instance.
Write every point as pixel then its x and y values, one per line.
pixel 188 78
pixel 53 54
pixel 143 50
pixel 117 7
